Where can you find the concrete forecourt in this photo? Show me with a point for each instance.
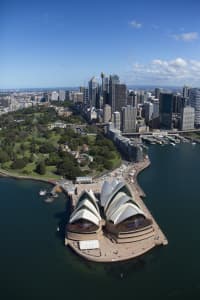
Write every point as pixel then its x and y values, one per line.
pixel 109 220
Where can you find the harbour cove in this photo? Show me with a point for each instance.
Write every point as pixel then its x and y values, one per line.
pixel 35 263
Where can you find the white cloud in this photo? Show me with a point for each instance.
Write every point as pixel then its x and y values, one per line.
pixel 186 37
pixel 175 72
pixel 136 24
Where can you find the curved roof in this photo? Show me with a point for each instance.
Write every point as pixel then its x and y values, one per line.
pixel 116 190
pixel 106 190
pixel 90 196
pixel 84 214
pixel 124 212
pixel 119 200
pixel 88 205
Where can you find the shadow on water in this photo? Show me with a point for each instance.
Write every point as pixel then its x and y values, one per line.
pixel 63 218
pixel 119 270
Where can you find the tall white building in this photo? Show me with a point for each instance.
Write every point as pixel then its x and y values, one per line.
pixel 187 118
pixel 106 113
pixel 117 120
pixel 129 114
pixel 62 95
pixel 148 106
pixel 195 102
pixel 54 96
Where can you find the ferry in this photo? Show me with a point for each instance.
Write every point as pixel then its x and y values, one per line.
pixel 42 192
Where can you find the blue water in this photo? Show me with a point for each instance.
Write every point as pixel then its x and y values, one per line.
pixel 34 264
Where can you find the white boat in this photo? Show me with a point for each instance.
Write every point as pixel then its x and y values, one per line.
pixel 173 144
pixel 49 200
pixel 42 192
pixel 193 143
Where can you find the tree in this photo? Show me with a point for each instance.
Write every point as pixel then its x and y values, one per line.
pixel 4 156
pixel 46 148
pixel 19 163
pixel 53 159
pixel 68 169
pixel 41 168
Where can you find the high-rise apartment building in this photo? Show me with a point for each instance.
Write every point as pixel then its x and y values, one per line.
pixel 85 92
pixel 148 108
pixel 61 95
pixel 187 118
pixel 129 114
pixel 195 102
pixel 107 113
pixel 117 120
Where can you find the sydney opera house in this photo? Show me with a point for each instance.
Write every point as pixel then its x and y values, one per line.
pixel 109 220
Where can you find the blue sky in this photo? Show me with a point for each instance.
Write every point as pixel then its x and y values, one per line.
pixel 64 42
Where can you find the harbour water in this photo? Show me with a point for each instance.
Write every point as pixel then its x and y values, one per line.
pixel 34 264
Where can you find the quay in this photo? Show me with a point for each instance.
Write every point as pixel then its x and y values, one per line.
pixel 109 250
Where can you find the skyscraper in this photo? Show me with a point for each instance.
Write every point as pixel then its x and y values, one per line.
pixel 187 118
pixel 61 95
pixel 157 92
pixel 166 110
pixel 178 103
pixel 107 113
pixel 117 93
pixel 104 89
pixel 132 99
pixel 195 102
pixel 85 92
pixel 148 107
pixel 186 92
pixel 117 120
pixel 129 114
pixel 93 92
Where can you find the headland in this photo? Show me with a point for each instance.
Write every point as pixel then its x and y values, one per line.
pixel 109 242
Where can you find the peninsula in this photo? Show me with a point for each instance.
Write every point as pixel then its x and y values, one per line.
pixel 109 220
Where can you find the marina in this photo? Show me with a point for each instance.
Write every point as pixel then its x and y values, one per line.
pixel 165 138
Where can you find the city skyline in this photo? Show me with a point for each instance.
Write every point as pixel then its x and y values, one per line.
pixel 52 44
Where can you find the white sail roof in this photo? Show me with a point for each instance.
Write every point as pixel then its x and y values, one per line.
pixel 105 192
pixel 90 196
pixel 124 212
pixel 119 200
pixel 88 204
pixel 84 214
pixel 117 188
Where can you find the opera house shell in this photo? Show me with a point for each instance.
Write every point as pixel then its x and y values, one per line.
pixel 85 221
pixel 125 220
pixel 115 214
